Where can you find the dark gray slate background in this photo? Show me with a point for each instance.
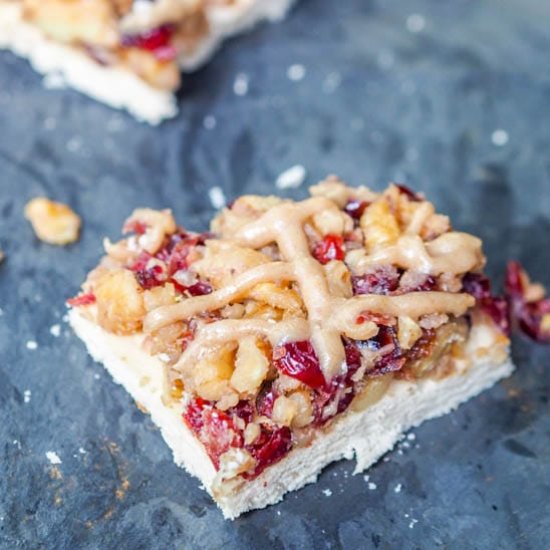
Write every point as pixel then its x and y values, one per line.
pixel 378 102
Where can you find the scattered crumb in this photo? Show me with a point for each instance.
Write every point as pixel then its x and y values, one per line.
pixel 327 492
pixel 278 512
pixel 217 197
pixel 416 23
pixel 397 488
pixel 412 523
pixel 50 123
pixel 31 344
pixel 55 330
pixel 411 437
pixel 499 137
pixel 96 376
pixel 386 459
pixel 291 178
pixel 240 86
pixel 54 81
pixel 209 122
pixel 332 82
pixel 372 486
pixel 53 457
pixel 81 450
pixel 65 318
pixel 53 222
pixel 27 396
pixel 296 72
pixel 74 145
pixel 366 477
pixel 385 59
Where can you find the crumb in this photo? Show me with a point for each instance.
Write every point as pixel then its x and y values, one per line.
pixel 278 512
pixel 411 437
pixel 332 82
pixel 240 86
pixel 372 486
pixel 55 330
pixel 96 376
pixel 296 72
pixel 366 478
pixel 327 492
pixel 53 457
pixel 81 450
pixel 32 345
pixel 209 122
pixel 412 523
pixel 416 23
pixel 397 488
pixel 65 318
pixel 291 178
pixel 217 197
pixel 499 137
pixel 27 396
pixel 54 81
pixel 53 222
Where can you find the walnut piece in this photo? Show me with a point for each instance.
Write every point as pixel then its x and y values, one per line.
pixel 53 222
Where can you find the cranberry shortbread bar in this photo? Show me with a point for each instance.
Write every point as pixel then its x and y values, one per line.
pixel 293 334
pixel 126 53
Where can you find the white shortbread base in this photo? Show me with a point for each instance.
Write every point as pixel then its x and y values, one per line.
pixel 115 86
pixel 367 435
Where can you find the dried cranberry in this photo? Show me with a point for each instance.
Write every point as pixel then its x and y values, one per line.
pixel 265 400
pixel 157 41
pixel 330 248
pixel 419 282
pixel 272 445
pixel 137 227
pixel 408 192
pixel 213 427
pixel 393 359
pixel 529 316
pixel 355 208
pixel 151 277
pixel 82 300
pixel 299 360
pixel 378 318
pixel 199 289
pixel 244 410
pixel 476 284
pixel 382 280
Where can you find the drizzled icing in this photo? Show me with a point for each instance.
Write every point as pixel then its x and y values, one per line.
pixel 328 317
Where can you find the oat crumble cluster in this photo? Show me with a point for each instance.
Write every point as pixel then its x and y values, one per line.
pixel 289 313
pixel 146 37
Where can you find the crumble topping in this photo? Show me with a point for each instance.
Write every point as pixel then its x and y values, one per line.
pixel 288 313
pixel 53 222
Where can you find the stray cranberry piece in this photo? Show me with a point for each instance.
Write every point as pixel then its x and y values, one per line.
pixel 533 318
pixel 393 359
pixel 330 248
pixel 383 280
pixel 199 289
pixel 298 360
pixel 265 400
pixel 82 300
pixel 479 286
pixel 355 208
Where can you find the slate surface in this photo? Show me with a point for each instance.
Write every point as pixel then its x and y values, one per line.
pixel 385 96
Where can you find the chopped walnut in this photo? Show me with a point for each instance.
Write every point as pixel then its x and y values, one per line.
pixel 119 301
pixel 338 278
pixel 284 410
pixel 408 332
pixel 251 366
pixel 433 320
pixel 379 225
pixel 152 227
pixel 53 222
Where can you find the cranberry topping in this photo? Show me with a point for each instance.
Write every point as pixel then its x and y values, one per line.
pixel 157 41
pixel 417 282
pixel 82 300
pixel 330 248
pixel 355 208
pixel 531 317
pixel 199 289
pixel 272 445
pixel 479 286
pixel 382 280
pixel 298 360
pixel 408 192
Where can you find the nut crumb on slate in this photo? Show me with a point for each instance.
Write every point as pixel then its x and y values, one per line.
pixel 52 222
